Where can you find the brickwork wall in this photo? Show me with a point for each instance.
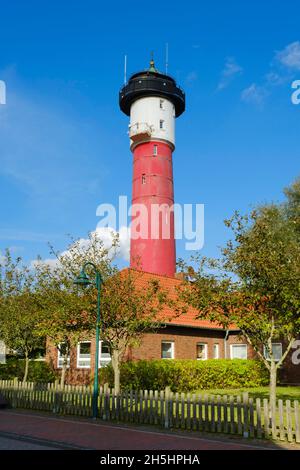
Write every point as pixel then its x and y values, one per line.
pixel 185 342
pixel 185 347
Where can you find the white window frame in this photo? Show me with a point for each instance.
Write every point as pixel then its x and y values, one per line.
pixel 155 150
pixel 161 124
pixel 60 360
pixel 238 344
pixel 103 360
pixel 161 104
pixel 88 360
pixel 266 355
pixel 172 349
pixel 216 347
pixel 205 352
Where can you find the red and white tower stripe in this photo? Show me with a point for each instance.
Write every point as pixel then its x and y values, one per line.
pixel 153 101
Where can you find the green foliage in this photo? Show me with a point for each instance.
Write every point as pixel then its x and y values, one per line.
pixel 188 375
pixel 19 314
pixel 39 371
pixel 263 298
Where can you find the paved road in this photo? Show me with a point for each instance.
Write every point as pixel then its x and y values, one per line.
pixel 82 433
pixel 16 444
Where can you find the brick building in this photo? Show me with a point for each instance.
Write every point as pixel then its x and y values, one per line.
pixel 180 337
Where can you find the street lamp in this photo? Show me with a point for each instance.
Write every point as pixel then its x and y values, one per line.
pixel 83 280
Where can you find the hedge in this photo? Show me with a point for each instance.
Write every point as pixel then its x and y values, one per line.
pixel 189 375
pixel 39 371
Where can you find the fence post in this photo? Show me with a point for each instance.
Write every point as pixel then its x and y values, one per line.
pixel 246 415
pixel 266 418
pixel 56 402
pixel 289 420
pixel 105 401
pixel 297 427
pixel 281 420
pixel 167 394
pixel 258 418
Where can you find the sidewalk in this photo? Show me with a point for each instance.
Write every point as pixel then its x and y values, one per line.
pixel 86 434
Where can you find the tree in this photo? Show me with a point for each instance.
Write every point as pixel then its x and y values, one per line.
pixel 68 312
pixel 19 315
pixel 292 204
pixel 256 283
pixel 130 306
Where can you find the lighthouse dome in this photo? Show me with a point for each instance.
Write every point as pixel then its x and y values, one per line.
pixel 151 82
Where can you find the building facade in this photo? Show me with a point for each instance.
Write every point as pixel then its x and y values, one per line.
pixel 182 336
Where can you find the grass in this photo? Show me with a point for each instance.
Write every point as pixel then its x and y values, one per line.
pixel 283 393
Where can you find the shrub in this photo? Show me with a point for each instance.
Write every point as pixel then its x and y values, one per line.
pixel 39 371
pixel 189 375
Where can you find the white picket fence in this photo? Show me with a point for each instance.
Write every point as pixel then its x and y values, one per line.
pixel 238 415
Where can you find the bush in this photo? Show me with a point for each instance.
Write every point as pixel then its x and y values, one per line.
pixel 189 375
pixel 39 371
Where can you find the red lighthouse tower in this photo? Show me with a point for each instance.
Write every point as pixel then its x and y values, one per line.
pixel 153 101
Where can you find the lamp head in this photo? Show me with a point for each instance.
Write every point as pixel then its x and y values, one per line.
pixel 82 280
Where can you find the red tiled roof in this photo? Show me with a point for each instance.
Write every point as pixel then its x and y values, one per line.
pixel 187 319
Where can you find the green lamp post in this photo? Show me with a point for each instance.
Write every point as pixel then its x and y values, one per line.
pixel 83 280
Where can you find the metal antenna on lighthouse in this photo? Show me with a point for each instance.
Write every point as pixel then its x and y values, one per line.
pixel 125 69
pixel 167 57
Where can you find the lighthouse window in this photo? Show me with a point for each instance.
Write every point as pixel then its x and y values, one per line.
pixel 154 149
pixel 161 124
pixel 161 104
pixel 143 179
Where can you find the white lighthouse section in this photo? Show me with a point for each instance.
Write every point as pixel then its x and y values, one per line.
pixel 152 118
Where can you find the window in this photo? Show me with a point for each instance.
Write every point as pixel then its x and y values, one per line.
pixel 143 179
pixel 167 350
pixel 216 351
pixel 201 350
pixel 61 350
pixel 84 354
pixel 238 351
pixel 161 124
pixel 154 149
pixel 104 354
pixel 276 352
pixel 161 104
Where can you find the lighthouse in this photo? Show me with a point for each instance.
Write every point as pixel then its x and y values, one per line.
pixel 153 101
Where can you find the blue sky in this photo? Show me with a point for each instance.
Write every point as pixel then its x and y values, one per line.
pixel 63 143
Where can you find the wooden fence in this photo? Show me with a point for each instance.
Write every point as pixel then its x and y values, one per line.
pixel 239 415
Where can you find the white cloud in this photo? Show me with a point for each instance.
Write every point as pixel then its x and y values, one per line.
pixel 254 94
pixel 104 234
pixel 283 66
pixel 290 56
pixel 230 71
pixel 274 79
pixel 51 262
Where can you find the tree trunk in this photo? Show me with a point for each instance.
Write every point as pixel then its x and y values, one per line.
pixel 26 367
pixel 64 370
pixel 273 381
pixel 116 367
